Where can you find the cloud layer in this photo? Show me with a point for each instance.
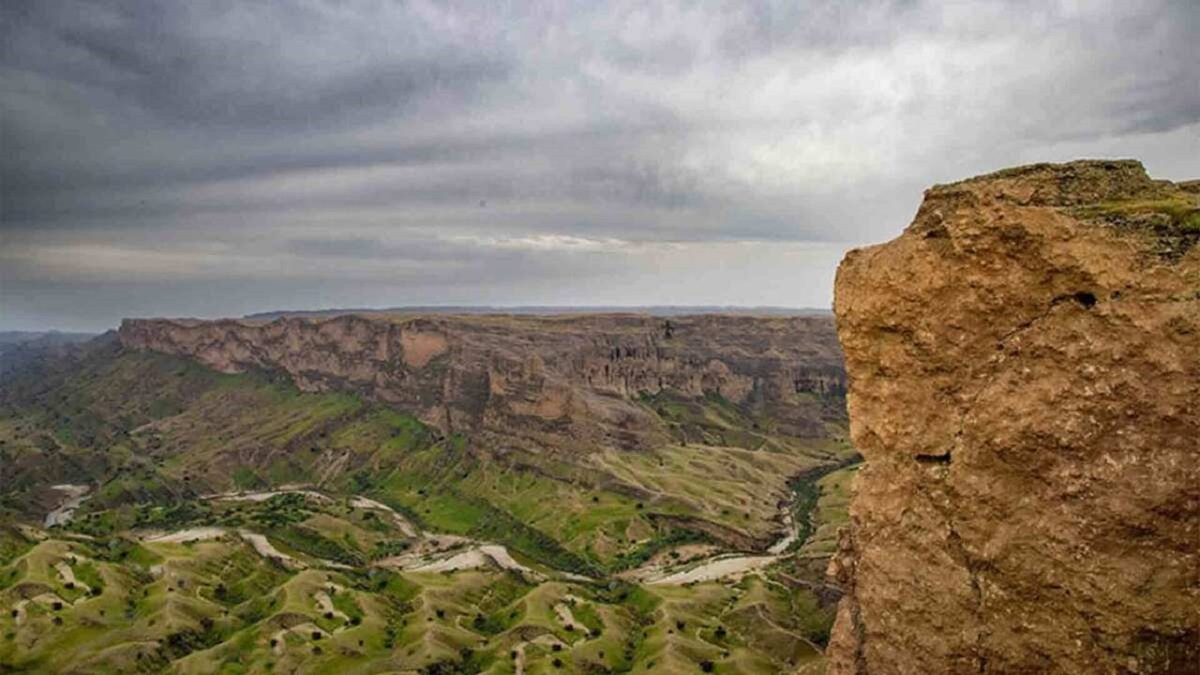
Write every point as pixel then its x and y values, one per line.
pixel 220 158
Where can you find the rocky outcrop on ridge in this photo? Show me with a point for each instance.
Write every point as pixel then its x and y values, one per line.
pixel 534 383
pixel 1024 366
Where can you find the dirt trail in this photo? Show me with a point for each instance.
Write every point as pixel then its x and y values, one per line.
pixel 519 662
pixel 278 638
pixel 74 495
pixel 719 568
pixel 265 495
pixel 304 630
pixel 48 600
pixel 325 605
pixel 477 556
pixel 401 522
pixel 267 550
pixel 68 576
pixel 567 618
pixel 192 534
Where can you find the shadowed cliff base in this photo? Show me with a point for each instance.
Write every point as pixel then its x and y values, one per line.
pixel 1023 365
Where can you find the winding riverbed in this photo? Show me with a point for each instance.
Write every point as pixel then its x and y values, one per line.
pixel 73 496
pixel 726 565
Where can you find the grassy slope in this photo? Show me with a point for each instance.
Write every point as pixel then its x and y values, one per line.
pixel 832 512
pixel 150 428
pixel 218 607
pixel 155 432
pixel 1168 217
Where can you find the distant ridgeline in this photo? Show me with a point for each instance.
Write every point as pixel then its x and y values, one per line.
pixel 19 348
pixel 536 382
pixel 551 310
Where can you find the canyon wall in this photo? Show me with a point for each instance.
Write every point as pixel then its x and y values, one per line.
pixel 530 382
pixel 1024 367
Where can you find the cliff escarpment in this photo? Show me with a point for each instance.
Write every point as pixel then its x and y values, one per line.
pixel 1024 369
pixel 535 383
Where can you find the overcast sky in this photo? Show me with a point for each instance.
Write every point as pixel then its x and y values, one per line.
pixel 210 158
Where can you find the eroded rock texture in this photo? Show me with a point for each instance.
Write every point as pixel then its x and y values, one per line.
pixel 535 383
pixel 1024 368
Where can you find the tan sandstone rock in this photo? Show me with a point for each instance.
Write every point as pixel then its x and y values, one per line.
pixel 1024 367
pixel 535 383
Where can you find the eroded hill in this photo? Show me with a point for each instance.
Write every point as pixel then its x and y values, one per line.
pixel 664 483
pixel 536 383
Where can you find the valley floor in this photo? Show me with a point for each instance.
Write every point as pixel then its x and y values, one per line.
pixel 211 599
pixel 207 523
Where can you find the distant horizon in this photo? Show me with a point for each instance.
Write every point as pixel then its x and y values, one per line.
pixel 535 308
pixel 523 309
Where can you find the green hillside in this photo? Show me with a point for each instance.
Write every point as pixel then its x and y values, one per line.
pixel 158 440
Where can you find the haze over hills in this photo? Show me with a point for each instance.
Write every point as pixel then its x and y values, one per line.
pixel 12 337
pixel 552 310
pixel 17 347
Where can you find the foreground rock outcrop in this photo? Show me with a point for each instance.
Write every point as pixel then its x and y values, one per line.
pixel 1024 367
pixel 535 383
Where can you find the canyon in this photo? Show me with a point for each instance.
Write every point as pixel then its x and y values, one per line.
pixel 534 382
pixel 425 492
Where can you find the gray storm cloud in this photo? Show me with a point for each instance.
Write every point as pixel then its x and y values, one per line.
pixel 220 158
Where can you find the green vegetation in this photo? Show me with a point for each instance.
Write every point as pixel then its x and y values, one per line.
pixel 830 513
pixel 661 542
pixel 1171 219
pixel 158 438
pixel 219 606
pixel 164 431
pixel 822 500
pixel 715 421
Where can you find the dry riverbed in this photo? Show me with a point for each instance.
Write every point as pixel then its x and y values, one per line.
pixel 73 496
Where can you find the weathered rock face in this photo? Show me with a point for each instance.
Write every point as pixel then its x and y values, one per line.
pixel 534 382
pixel 1024 368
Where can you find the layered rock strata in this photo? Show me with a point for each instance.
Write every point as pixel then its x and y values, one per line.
pixel 534 383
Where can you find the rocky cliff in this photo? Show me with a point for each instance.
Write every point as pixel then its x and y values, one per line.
pixel 1024 367
pixel 535 383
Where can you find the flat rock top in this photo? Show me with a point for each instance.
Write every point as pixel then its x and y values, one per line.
pixel 1070 184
